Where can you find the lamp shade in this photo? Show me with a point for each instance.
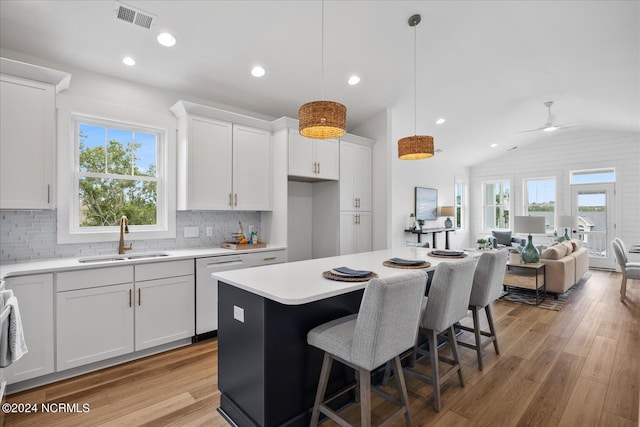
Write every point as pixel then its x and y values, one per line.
pixel 567 221
pixel 322 119
pixel 415 147
pixel 447 211
pixel 530 224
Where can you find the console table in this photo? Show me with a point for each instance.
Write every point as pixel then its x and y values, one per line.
pixel 433 232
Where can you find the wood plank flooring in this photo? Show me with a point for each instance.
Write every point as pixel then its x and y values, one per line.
pixel 576 367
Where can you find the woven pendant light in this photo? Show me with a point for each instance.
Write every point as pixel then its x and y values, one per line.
pixel 322 119
pixel 415 147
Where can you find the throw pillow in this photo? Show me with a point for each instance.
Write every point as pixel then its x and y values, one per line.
pixel 567 244
pixel 576 244
pixel 554 252
pixel 502 237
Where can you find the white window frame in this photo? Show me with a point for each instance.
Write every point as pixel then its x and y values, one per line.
pixel 461 204
pixel 525 201
pixel 484 205
pixel 584 171
pixel 69 230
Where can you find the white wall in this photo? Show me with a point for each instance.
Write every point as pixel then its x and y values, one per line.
pixel 559 153
pixel 439 172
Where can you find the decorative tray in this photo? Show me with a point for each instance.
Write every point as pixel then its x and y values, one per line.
pixel 389 263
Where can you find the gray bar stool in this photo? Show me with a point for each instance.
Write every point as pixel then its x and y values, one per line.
pixel 487 284
pixel 446 304
pixel 386 326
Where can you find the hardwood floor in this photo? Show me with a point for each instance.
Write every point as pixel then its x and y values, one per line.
pixel 576 367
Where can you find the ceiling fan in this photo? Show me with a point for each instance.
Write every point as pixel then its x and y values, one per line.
pixel 550 125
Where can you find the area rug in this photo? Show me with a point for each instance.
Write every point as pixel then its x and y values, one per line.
pixel 528 297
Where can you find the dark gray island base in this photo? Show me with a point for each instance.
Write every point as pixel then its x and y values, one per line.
pixel 267 374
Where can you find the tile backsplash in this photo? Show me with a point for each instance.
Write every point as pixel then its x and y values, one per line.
pixel 31 235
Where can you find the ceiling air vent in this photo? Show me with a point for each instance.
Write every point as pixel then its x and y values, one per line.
pixel 132 15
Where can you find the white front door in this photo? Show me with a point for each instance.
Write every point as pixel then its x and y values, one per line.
pixel 593 205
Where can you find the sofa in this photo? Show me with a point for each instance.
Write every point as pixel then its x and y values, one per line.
pixel 565 264
pixel 504 239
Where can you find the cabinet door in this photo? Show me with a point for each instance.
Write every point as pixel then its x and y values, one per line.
pixel 327 157
pixel 165 311
pixel 363 232
pixel 35 301
pixel 347 233
pixel 362 177
pixel 347 176
pixel 209 164
pixel 251 169
pixel 94 324
pixel 27 138
pixel 301 159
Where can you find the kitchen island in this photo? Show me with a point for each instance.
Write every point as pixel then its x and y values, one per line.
pixel 267 374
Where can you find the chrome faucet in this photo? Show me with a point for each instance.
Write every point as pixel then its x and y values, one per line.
pixel 124 228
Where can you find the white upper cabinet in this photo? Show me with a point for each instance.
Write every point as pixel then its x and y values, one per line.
pixel 221 165
pixel 251 169
pixel 27 140
pixel 355 177
pixel 205 169
pixel 317 159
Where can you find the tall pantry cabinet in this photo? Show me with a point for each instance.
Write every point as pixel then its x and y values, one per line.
pixel 355 198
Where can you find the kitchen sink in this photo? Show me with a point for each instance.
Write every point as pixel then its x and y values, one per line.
pixel 147 255
pixel 104 258
pixel 108 258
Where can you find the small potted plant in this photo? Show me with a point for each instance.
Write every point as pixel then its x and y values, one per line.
pixel 481 243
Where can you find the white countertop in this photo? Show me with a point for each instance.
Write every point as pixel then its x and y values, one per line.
pixel 67 264
pixel 301 282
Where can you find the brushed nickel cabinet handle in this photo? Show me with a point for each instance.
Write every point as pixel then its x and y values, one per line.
pixel 130 294
pixel 269 258
pixel 230 199
pixel 235 199
pixel 318 168
pixel 139 297
pixel 48 193
pixel 355 202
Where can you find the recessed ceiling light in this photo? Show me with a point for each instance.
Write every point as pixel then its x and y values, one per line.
pixel 440 121
pixel 166 39
pixel 257 71
pixel 353 80
pixel 127 60
pixel 493 145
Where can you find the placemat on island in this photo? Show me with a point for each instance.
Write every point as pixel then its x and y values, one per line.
pixel 388 263
pixel 435 255
pixel 340 278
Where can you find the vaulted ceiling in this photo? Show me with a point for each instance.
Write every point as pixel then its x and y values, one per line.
pixel 485 66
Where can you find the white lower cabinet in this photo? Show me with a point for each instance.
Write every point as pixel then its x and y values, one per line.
pixel 94 324
pixel 104 313
pixel 35 301
pixel 165 310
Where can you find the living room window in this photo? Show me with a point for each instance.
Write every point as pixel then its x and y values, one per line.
pixel 540 200
pixel 118 169
pixel 460 204
pixel 497 205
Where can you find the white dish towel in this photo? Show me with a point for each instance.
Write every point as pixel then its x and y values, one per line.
pixel 12 343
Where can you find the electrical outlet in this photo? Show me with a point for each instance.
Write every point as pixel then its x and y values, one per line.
pixel 191 232
pixel 209 231
pixel 238 313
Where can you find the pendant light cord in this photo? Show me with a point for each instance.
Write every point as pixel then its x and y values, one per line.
pixel 415 78
pixel 322 47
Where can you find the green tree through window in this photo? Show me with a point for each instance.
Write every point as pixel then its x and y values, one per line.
pixel 117 176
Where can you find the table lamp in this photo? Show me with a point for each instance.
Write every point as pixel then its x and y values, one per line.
pixel 568 222
pixel 447 211
pixel 530 224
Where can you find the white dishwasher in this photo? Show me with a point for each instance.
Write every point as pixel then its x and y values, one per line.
pixel 207 290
